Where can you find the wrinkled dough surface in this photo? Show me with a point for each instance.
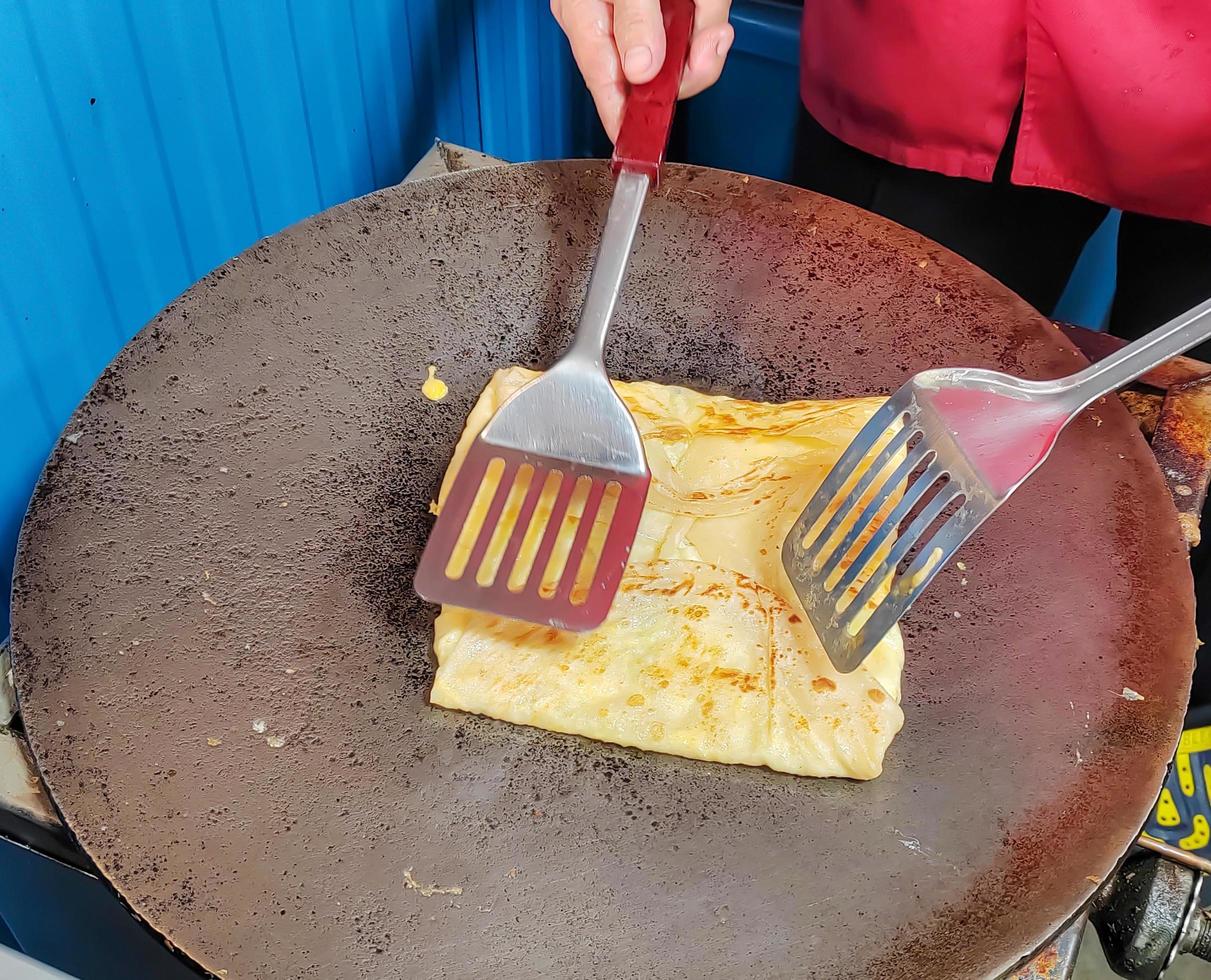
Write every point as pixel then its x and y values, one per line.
pixel 705 653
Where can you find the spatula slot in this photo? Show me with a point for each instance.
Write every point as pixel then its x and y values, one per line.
pixel 460 554
pixel 863 482
pixel 595 544
pixel 491 565
pixel 534 532
pixel 917 561
pixel 565 532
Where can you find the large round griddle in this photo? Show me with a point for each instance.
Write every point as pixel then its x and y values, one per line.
pixel 233 537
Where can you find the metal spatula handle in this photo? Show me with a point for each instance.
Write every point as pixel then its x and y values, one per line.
pixel 973 436
pixel 638 157
pixel 1139 357
pixel 609 268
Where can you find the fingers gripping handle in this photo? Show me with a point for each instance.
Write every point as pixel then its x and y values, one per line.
pixel 648 114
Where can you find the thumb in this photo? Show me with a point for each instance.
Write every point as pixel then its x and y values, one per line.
pixel 639 34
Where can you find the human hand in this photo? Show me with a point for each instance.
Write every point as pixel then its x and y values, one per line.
pixel 618 43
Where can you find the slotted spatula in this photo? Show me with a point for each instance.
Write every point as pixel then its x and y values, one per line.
pixel 540 520
pixel 959 441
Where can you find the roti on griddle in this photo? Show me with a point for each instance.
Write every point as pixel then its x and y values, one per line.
pixel 705 653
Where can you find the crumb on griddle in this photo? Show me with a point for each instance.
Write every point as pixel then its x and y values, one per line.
pixel 428 891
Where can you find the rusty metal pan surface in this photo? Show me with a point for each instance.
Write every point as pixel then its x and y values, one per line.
pixel 223 669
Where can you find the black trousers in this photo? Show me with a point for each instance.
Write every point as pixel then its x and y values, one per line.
pixel 1030 238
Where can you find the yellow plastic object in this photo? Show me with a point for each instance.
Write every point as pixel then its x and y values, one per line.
pixel 1166 810
pixel 1183 811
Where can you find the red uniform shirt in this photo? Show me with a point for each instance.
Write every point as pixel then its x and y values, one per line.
pixel 1116 94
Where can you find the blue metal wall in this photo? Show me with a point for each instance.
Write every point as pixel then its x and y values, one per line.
pixel 746 122
pixel 1090 290
pixel 533 105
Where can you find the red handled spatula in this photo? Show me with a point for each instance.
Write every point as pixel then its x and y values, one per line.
pixel 540 520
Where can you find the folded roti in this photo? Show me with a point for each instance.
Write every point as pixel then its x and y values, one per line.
pixel 705 653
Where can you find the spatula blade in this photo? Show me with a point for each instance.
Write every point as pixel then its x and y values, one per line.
pixel 532 538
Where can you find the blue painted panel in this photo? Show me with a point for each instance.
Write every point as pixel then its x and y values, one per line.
pixel 190 143
pixel 383 43
pixel 442 36
pixel 6 936
pixel 746 122
pixel 534 105
pixel 335 113
pixel 1090 292
pixel 142 144
pixel 262 93
pixel 74 923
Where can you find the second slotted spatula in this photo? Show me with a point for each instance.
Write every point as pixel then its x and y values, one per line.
pixel 540 520
pixel 941 455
